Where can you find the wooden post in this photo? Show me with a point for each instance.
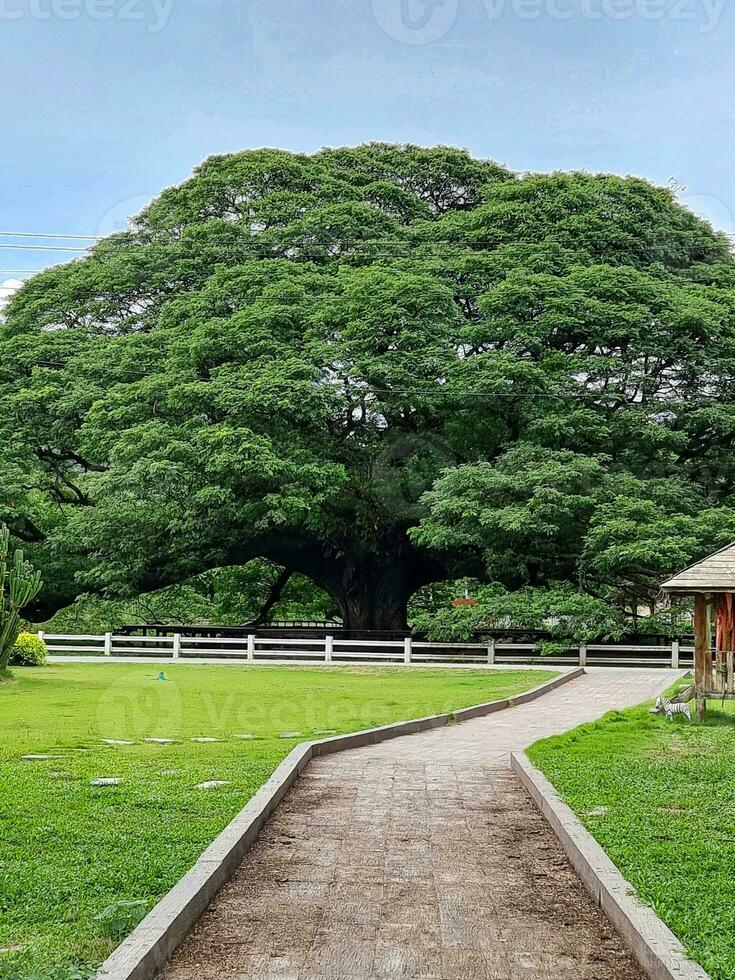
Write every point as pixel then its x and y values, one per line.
pixel 176 646
pixel 582 654
pixel 491 650
pixel 328 648
pixel 407 650
pixel 108 644
pixel 702 665
pixel 251 646
pixel 675 654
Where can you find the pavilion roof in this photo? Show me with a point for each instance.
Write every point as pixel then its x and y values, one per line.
pixel 716 573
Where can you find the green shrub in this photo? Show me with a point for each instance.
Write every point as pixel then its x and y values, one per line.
pixel 119 919
pixel 29 651
pixel 553 648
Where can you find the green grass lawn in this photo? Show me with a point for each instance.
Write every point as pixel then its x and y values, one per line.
pixel 70 850
pixel 660 798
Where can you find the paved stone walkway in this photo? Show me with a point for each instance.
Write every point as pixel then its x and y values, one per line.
pixel 420 857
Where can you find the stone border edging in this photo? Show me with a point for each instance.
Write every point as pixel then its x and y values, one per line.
pixel 147 949
pixel 653 944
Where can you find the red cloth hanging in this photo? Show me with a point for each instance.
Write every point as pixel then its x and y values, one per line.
pixel 724 622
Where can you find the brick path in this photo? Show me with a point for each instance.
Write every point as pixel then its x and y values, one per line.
pixel 419 857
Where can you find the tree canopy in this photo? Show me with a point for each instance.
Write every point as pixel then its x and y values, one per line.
pixel 377 367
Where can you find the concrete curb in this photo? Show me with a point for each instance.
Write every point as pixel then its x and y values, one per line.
pixel 150 945
pixel 653 944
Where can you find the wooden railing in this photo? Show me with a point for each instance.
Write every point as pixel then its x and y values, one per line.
pixel 333 649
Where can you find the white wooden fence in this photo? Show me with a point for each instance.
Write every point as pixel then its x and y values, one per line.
pixel 333 649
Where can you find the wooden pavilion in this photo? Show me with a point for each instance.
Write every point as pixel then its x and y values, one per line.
pixel 712 583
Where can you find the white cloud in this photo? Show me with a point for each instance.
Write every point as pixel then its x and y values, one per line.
pixel 7 288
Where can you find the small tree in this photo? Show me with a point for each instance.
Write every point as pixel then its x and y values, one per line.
pixel 20 583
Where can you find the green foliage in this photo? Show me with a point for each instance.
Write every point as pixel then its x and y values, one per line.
pixel 450 624
pixel 29 651
pixel 634 543
pixel 79 971
pixel 130 843
pixel 19 585
pixel 376 367
pixel 538 514
pixel 568 614
pixel 224 596
pixel 659 798
pixel 120 918
pixel 522 510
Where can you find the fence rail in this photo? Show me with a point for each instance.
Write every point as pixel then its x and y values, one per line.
pixel 332 649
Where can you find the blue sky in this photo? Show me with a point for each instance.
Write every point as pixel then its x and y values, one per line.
pixel 108 101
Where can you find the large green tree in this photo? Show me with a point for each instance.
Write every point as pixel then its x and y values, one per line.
pixel 377 367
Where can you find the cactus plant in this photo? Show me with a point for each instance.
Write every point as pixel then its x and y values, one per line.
pixel 20 583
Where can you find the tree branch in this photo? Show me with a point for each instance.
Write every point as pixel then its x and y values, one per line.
pixel 273 597
pixel 51 456
pixel 28 531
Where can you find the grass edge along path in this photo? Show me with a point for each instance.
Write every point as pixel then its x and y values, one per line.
pixel 81 863
pixel 659 797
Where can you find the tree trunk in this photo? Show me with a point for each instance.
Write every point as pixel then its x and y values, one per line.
pixel 370 583
pixel 372 606
pixel 373 589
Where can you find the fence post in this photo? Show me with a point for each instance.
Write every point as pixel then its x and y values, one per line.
pixel 407 650
pixel 491 650
pixel 176 646
pixel 582 654
pixel 328 647
pixel 675 654
pixel 41 635
pixel 251 646
pixel 108 644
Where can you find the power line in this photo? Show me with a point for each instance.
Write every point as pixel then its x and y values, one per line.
pixel 236 254
pixel 588 395
pixel 77 237
pixel 45 248
pixel 399 243
pixel 49 234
